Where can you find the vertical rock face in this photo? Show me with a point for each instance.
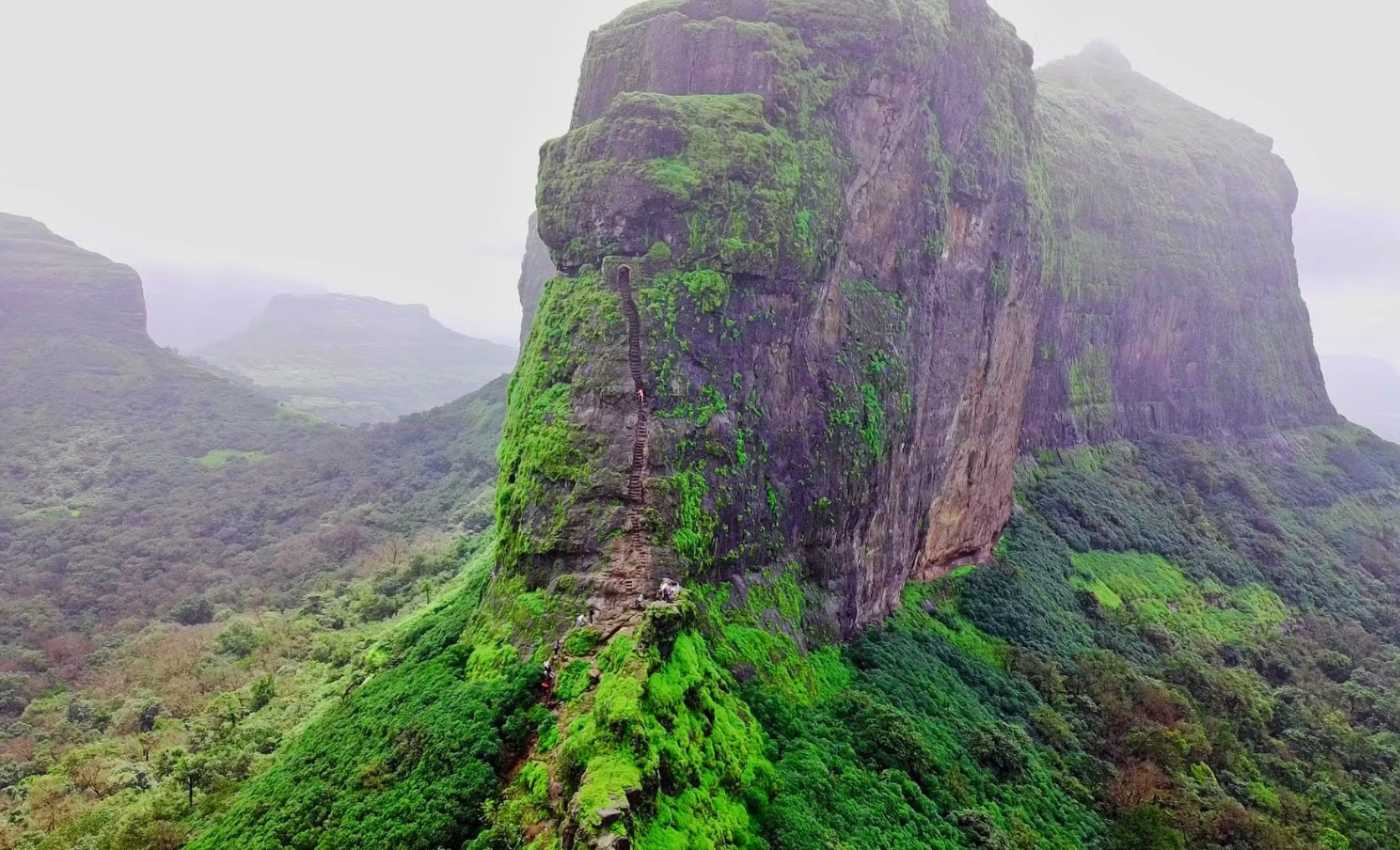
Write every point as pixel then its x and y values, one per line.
pixel 1172 290
pixel 50 285
pixel 536 270
pixel 864 268
pixel 826 216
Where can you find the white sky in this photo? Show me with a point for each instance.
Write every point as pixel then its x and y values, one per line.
pixel 390 148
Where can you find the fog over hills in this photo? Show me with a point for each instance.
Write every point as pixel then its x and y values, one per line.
pixel 192 307
pixel 352 359
pixel 915 444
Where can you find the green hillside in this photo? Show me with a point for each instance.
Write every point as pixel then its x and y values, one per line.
pixel 1178 645
pixel 137 485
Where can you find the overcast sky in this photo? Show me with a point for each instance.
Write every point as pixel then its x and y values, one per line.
pixel 390 148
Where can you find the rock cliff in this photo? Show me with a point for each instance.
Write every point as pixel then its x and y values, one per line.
pixel 829 267
pixel 53 287
pixel 827 211
pixel 1172 290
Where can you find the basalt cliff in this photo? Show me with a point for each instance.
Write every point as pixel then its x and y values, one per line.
pixel 828 269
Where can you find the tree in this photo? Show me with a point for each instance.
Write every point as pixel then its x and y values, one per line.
pixel 50 805
pixel 238 640
pixel 190 771
pixel 194 611
pixel 13 695
pixel 1145 828
pixel 264 690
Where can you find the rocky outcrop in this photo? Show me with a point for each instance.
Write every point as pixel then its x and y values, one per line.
pixel 828 213
pixel 871 269
pixel 536 269
pixel 1172 299
pixel 50 286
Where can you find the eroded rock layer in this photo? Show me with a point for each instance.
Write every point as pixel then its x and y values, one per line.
pixel 51 286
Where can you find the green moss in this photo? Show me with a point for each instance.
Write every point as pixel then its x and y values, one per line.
pixel 659 253
pixel 709 290
pixel 665 727
pixel 607 780
pixel 219 458
pixel 544 455
pixel 581 641
pixel 744 194
pixel 1151 591
pixel 1091 394
pixel 572 681
pixel 872 401
pixel 694 534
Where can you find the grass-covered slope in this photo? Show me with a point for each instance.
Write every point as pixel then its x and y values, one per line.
pixel 1180 644
pixel 179 486
pixel 412 756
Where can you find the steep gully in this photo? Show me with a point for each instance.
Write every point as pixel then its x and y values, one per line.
pixel 630 581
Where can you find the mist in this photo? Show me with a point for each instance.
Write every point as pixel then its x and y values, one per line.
pixel 393 152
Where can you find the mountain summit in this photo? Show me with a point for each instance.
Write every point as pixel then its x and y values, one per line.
pixel 53 286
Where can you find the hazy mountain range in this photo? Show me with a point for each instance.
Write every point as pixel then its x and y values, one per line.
pixel 352 360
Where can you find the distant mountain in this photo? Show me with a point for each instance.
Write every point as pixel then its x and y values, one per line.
pixel 1366 391
pixel 133 479
pixel 52 287
pixel 354 360
pixel 191 308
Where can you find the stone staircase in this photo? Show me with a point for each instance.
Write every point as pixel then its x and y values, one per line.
pixel 630 581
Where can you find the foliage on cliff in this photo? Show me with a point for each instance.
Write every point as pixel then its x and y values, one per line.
pixel 799 188
pixel 1181 643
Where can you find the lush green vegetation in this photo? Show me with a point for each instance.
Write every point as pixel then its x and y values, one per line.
pixel 183 715
pixel 543 453
pixel 410 757
pixel 1178 645
pixel 137 486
